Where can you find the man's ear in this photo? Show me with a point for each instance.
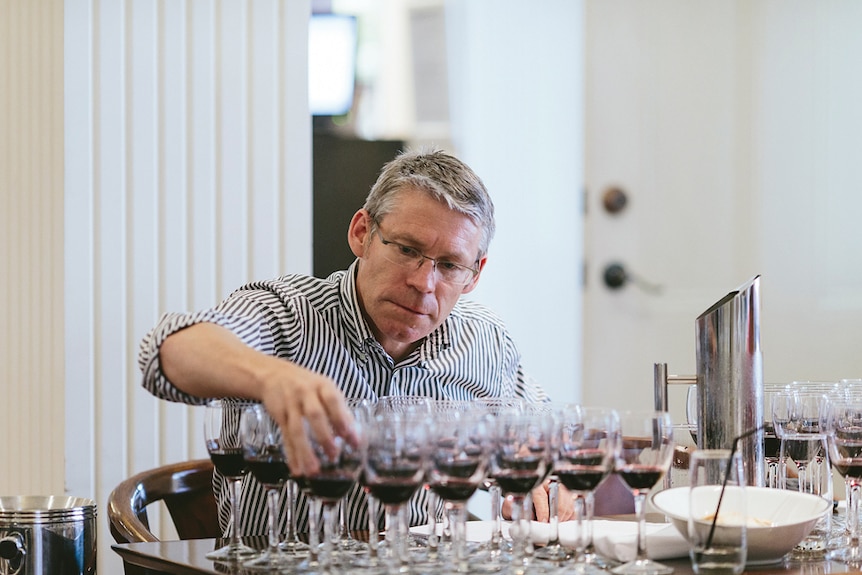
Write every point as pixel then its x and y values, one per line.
pixel 359 232
pixel 472 285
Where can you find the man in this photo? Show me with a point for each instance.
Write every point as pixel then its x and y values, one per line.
pixel 393 323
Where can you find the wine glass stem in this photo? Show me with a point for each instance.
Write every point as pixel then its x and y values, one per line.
pixel 373 527
pixel 329 534
pixel 236 486
pixel 521 532
pixel 553 506
pixel 458 526
pixel 853 488
pixel 289 508
pixel 272 506
pixel 640 512
pixel 396 537
pixel 314 508
pixel 497 531
pixel 589 503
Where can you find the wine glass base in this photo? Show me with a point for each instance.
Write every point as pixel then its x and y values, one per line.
pixel 232 552
pixel 294 547
pixel 849 555
pixel 642 567
pixel 269 561
pixel 555 553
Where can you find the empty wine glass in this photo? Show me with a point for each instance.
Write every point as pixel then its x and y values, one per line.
pixel 520 461
pixel 643 456
pixel 587 445
pixel 394 465
pixel 771 443
pixel 224 444
pixel 263 452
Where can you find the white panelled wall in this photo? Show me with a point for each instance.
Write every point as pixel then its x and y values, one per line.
pixel 188 159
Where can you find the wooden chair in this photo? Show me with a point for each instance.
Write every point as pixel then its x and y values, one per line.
pixel 186 490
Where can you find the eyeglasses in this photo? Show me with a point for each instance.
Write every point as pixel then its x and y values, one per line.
pixel 407 257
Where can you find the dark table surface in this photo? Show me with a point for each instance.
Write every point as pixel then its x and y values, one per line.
pixel 188 558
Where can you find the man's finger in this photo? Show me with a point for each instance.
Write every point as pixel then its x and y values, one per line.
pixel 540 504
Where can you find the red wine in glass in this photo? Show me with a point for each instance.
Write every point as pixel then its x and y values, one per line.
pixel 640 477
pixel 228 460
pixel 269 468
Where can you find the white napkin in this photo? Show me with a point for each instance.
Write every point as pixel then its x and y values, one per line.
pixel 613 539
pixel 618 539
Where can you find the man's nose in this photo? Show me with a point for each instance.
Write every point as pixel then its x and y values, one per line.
pixel 424 277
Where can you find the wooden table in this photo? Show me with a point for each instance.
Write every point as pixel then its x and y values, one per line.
pixel 188 558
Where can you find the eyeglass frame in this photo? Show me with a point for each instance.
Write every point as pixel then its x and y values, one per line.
pixel 423 257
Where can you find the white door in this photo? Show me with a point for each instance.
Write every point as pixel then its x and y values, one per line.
pixel 735 130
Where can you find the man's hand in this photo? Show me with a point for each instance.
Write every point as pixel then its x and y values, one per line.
pixel 541 504
pixel 207 360
pixel 295 395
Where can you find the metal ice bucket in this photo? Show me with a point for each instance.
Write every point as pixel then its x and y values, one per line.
pixel 729 377
pixel 53 535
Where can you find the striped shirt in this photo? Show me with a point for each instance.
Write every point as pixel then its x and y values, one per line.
pixel 317 323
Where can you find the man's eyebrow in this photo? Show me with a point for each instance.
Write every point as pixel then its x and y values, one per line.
pixel 411 242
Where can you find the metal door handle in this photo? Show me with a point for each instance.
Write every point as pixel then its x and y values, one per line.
pixel 616 276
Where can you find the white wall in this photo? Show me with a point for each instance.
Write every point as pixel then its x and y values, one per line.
pixel 516 98
pixel 188 161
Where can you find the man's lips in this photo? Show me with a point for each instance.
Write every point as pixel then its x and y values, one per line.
pixel 409 309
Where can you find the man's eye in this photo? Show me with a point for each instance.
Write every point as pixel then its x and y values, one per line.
pixel 408 251
pixel 448 266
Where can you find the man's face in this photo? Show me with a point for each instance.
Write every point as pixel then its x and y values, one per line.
pixel 404 304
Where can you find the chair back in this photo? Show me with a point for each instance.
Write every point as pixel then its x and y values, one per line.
pixel 186 490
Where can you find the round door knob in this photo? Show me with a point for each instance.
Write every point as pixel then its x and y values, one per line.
pixel 615 276
pixel 614 200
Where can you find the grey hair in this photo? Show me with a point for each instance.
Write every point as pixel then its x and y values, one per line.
pixel 442 176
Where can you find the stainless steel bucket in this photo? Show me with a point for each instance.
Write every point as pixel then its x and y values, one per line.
pixel 47 535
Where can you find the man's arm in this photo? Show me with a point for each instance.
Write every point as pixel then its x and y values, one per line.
pixel 208 360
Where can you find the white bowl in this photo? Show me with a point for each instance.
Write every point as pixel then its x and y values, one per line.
pixel 786 517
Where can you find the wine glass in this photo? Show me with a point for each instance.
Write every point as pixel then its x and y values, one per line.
pixel 224 444
pixel 771 443
pixel 520 461
pixel 844 440
pixel 346 543
pixel 643 456
pixel 394 465
pixel 423 549
pixel 263 452
pixel 338 472
pixel 586 449
pixel 460 447
pixel 496 545
pixel 799 416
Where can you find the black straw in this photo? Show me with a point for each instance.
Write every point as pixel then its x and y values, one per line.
pixel 726 476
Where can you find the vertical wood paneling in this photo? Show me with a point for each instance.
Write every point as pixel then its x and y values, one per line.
pixel 31 246
pixel 188 110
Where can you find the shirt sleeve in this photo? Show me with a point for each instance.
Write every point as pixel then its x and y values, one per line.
pixel 246 313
